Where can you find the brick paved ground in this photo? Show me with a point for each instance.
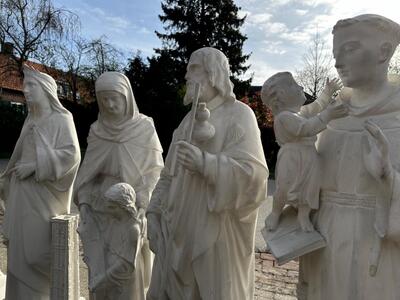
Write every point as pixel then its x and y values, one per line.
pixel 272 282
pixel 275 282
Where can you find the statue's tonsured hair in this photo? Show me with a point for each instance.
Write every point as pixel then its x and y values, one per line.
pixel 217 67
pixel 389 30
pixel 270 88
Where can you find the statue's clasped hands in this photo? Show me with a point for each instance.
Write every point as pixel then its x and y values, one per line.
pixel 189 156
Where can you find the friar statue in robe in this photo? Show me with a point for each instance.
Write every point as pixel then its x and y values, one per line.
pixel 359 213
pixel 202 215
pixel 37 185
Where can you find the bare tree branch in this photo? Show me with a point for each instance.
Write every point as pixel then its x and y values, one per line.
pixel 317 66
pixel 32 24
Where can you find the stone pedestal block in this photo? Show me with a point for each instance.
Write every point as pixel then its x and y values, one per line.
pixel 64 258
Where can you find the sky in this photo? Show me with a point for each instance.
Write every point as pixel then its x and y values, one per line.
pixel 279 31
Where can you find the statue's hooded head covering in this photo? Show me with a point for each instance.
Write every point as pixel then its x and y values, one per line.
pixel 114 81
pixel 116 129
pixel 49 85
pixel 129 143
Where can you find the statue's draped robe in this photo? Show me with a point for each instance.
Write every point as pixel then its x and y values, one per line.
pixel 208 221
pixel 132 155
pixel 346 217
pixel 53 146
pixel 124 149
pixel 123 242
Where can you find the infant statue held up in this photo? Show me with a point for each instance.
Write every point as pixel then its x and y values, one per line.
pixel 296 125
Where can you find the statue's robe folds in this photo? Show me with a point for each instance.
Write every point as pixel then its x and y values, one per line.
pixel 53 146
pixel 208 220
pixel 348 218
pixel 132 155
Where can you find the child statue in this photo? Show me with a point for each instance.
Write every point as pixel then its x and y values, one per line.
pixel 296 126
pixel 122 239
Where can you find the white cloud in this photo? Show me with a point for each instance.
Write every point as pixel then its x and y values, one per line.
pixel 144 30
pixel 261 71
pixel 111 22
pixel 297 37
pixel 244 13
pixel 276 28
pixel 278 3
pixel 246 2
pixel 118 22
pixel 273 47
pixel 98 11
pixel 259 18
pixel 280 31
pixel 301 12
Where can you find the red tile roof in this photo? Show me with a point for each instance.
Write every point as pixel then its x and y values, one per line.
pixel 13 80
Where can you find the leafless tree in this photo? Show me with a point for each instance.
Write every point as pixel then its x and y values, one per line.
pixel 33 26
pixel 70 57
pixel 317 66
pixel 102 57
pixel 96 57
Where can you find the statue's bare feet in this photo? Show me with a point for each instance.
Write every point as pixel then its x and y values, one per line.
pixel 305 222
pixel 271 222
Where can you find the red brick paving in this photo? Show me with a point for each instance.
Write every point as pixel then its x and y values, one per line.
pixel 272 282
pixel 275 282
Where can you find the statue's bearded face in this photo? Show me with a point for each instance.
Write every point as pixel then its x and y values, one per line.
pixel 357 51
pixel 196 73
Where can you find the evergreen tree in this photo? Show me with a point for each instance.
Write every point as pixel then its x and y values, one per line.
pixel 159 83
pixel 136 71
pixel 157 93
pixel 193 24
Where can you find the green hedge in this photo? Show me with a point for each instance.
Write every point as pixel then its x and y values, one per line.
pixel 12 118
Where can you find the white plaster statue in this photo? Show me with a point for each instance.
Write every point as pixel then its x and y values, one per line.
pixel 297 172
pixel 359 213
pixel 123 146
pixel 202 220
pixel 38 186
pixel 122 240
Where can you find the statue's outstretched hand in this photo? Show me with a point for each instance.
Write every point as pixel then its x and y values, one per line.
pixel 375 151
pixel 332 86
